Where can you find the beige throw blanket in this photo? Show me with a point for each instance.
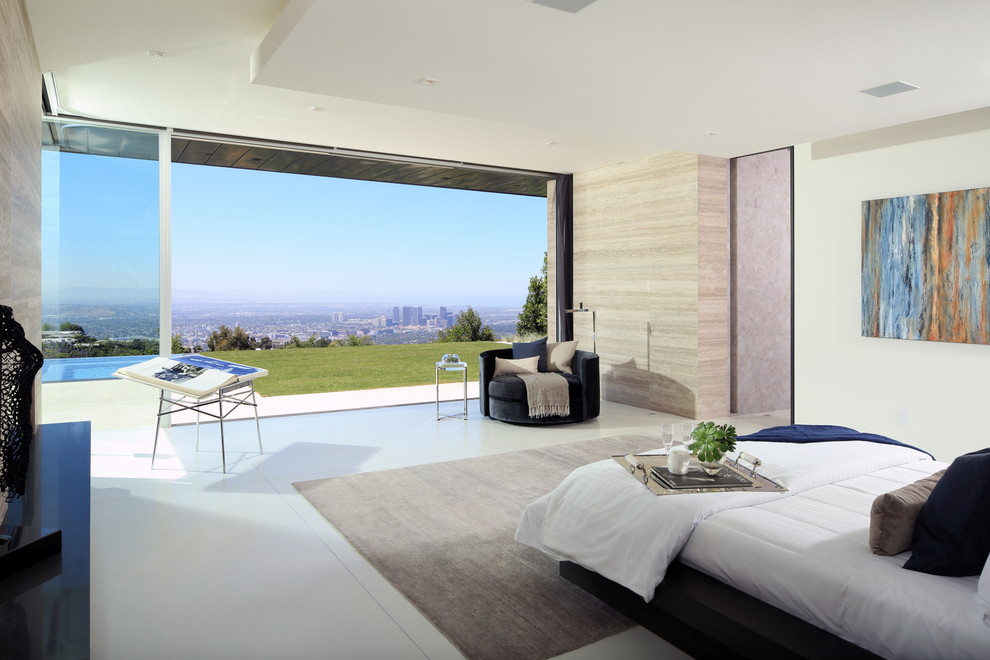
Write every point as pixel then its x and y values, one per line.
pixel 547 395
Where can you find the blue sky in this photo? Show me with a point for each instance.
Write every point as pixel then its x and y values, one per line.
pixel 261 235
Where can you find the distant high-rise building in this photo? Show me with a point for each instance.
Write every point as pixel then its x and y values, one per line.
pixel 396 316
pixel 407 316
pixel 441 317
pixel 419 316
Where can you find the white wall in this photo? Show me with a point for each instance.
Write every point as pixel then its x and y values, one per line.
pixel 932 395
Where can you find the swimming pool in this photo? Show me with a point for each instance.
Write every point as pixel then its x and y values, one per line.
pixel 59 370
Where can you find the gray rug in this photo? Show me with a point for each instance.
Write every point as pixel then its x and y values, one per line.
pixel 442 534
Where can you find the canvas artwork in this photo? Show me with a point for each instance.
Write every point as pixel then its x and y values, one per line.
pixel 926 267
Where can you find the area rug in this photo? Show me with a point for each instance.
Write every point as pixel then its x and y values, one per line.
pixel 442 534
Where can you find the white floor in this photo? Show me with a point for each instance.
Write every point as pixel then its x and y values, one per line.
pixel 190 563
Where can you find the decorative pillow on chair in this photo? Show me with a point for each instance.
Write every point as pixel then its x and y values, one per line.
pixel 951 535
pixel 504 367
pixel 536 348
pixel 893 514
pixel 559 356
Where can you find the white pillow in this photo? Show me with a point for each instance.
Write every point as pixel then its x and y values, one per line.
pixel 559 356
pixel 983 593
pixel 504 367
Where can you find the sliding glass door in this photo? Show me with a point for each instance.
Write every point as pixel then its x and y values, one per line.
pixel 101 247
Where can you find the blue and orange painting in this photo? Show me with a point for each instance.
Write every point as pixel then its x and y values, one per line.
pixel 926 267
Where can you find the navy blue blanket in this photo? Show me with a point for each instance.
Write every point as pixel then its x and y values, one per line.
pixel 819 433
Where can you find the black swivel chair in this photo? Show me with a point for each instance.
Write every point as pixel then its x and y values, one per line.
pixel 504 397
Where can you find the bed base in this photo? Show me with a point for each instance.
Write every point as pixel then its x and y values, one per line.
pixel 707 618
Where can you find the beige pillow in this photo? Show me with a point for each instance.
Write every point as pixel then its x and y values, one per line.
pixel 559 356
pixel 893 514
pixel 504 367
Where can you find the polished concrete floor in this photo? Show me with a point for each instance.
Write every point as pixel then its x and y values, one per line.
pixel 190 563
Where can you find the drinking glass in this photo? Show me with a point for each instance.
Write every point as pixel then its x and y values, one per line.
pixel 667 435
pixel 686 428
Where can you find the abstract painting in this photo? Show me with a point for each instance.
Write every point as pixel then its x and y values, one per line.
pixel 926 267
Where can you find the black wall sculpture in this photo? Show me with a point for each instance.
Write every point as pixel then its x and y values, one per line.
pixel 19 363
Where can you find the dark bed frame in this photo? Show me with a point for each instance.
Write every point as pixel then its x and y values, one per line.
pixel 707 618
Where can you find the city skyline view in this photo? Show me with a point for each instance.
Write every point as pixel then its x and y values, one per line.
pixel 279 255
pixel 278 321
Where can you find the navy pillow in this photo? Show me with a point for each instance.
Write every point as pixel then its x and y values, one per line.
pixel 532 349
pixel 952 533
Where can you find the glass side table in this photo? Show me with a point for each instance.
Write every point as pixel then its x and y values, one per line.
pixel 452 366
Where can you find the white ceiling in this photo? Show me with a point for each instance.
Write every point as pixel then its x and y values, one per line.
pixel 522 84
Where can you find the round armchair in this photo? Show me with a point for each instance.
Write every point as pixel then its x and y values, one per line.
pixel 504 397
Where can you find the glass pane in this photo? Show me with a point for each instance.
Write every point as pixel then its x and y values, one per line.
pixel 100 249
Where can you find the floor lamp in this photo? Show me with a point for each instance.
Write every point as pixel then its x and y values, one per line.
pixel 594 322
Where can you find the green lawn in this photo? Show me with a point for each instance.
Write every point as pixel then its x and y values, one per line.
pixel 344 368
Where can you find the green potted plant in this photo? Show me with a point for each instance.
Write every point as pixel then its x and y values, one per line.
pixel 710 442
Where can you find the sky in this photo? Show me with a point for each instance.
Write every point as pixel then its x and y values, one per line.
pixel 254 235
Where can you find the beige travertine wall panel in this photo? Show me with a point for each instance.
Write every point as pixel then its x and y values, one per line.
pixel 761 302
pixel 20 171
pixel 650 247
pixel 713 286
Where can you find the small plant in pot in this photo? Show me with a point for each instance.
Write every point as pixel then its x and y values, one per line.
pixel 710 443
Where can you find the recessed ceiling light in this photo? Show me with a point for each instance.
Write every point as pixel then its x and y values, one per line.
pixel 552 143
pixel 898 87
pixel 157 54
pixel 318 108
pixel 429 81
pixel 710 134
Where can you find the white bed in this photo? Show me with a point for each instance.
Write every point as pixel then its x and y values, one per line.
pixel 809 555
pixel 805 551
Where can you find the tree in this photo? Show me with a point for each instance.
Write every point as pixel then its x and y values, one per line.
pixel 467 328
pixel 533 317
pixel 226 339
pixel 71 327
pixel 177 346
pixel 359 340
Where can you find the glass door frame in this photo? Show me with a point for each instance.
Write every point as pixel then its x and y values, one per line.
pixel 164 217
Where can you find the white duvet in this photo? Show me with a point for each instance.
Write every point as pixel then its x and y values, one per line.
pixel 603 519
pixel 809 555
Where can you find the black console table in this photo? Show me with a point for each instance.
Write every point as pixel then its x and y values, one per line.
pixel 44 606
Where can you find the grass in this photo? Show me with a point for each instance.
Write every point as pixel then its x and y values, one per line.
pixel 345 368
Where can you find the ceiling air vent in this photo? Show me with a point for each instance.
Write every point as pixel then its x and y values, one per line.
pixel 573 6
pixel 889 89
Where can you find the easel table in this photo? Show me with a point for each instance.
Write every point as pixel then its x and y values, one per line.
pixel 234 396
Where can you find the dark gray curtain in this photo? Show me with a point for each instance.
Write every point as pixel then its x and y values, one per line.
pixel 564 210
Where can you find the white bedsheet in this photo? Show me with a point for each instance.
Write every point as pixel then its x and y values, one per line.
pixel 603 519
pixel 809 555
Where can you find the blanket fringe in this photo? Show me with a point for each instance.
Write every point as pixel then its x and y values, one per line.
pixel 549 410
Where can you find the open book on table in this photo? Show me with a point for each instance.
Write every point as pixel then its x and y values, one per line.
pixel 194 375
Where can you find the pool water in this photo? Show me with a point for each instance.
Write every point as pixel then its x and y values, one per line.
pixel 60 370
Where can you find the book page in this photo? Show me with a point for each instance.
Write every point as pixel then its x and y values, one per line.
pixel 181 377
